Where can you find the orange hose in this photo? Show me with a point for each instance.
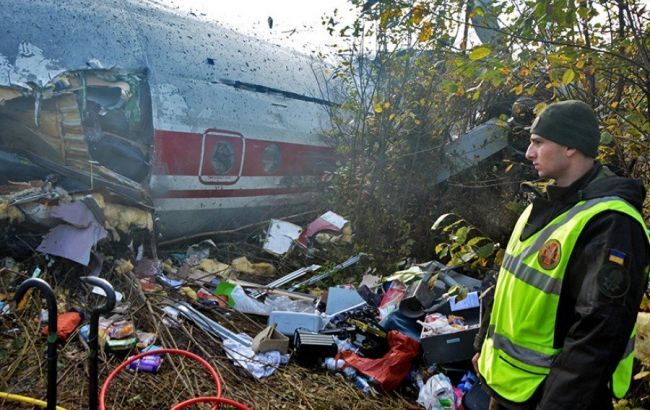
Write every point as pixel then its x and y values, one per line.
pixel 107 382
pixel 220 400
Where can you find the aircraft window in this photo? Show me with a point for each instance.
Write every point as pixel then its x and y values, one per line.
pixel 271 158
pixel 223 157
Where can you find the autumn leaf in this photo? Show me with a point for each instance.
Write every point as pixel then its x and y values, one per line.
pixel 539 107
pixel 378 108
pixel 426 32
pixel 479 53
pixel 568 76
pixel 606 138
pixel 419 11
pixel 518 89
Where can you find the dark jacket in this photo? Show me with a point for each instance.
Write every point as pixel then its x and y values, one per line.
pixel 595 315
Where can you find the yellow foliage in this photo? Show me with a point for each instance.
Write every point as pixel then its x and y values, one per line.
pixel 479 53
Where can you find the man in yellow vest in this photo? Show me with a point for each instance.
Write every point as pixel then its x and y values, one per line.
pixel 561 329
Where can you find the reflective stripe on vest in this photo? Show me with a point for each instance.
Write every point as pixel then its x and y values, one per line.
pixel 518 351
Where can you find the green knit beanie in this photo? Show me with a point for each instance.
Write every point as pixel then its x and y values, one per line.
pixel 571 123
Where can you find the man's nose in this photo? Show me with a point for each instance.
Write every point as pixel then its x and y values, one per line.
pixel 530 152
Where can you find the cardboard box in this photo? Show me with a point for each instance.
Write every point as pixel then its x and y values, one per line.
pixel 270 339
pixel 452 347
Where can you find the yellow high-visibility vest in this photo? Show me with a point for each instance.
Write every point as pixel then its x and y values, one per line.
pixel 518 351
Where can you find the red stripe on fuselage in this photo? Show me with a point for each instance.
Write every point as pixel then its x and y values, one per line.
pixel 232 193
pixel 179 153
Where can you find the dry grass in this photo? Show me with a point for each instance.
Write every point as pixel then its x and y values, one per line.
pixel 24 367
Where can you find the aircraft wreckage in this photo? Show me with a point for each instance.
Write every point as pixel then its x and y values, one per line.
pixel 150 110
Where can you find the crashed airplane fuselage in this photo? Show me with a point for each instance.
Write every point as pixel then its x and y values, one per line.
pixel 209 128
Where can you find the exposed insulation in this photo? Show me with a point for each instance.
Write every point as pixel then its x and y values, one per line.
pixel 213 266
pixel 245 266
pixel 125 218
pixel 10 212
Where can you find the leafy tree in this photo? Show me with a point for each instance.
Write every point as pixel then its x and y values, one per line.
pixel 417 76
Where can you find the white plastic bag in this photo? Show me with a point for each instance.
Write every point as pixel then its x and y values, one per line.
pixel 258 365
pixel 247 304
pixel 437 393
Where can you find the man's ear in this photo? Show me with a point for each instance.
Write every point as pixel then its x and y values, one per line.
pixel 570 152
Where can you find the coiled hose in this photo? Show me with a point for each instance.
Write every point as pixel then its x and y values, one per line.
pixel 205 364
pixel 26 400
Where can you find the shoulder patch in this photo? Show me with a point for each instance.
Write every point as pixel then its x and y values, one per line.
pixel 616 256
pixel 613 280
pixel 550 253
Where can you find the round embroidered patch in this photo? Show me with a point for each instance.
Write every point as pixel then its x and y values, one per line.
pixel 549 255
pixel 613 280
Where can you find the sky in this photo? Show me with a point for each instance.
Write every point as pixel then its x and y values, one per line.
pixel 297 24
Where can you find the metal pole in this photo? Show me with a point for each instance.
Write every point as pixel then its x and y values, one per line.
pixel 93 335
pixel 48 294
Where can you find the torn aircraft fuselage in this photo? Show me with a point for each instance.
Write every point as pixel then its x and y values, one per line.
pixel 210 128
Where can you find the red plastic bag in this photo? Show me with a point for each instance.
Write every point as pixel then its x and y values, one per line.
pixel 66 323
pixel 390 370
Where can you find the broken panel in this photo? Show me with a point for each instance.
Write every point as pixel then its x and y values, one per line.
pixel 85 120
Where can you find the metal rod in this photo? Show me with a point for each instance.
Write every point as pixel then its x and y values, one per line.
pixel 207 324
pixel 48 294
pixel 285 279
pixel 314 279
pixel 93 335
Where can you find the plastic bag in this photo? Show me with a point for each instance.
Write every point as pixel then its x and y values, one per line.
pixel 391 299
pixel 284 304
pixel 238 299
pixel 437 393
pixel 392 368
pixel 259 365
pixel 66 324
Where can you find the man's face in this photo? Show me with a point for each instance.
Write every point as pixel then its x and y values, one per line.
pixel 549 158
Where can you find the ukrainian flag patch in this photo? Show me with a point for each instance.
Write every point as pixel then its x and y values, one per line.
pixel 617 257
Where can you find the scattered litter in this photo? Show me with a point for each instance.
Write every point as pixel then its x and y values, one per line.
pixel 372 329
pixel 66 324
pixel 76 237
pixel 99 291
pixel 288 322
pixel 437 393
pixel 123 266
pixel 390 302
pixel 270 339
pixel 259 365
pixel 310 347
pixel 342 299
pixel 280 236
pixel 329 221
pixel 391 369
pixel 199 251
pixel 238 299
